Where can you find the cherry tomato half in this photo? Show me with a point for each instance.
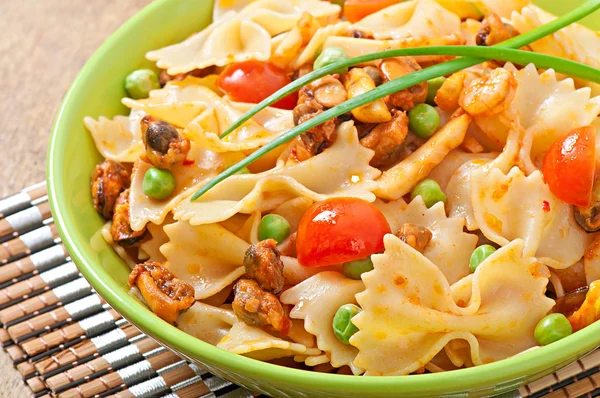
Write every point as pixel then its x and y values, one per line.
pixel 253 81
pixel 569 166
pixel 355 10
pixel 338 230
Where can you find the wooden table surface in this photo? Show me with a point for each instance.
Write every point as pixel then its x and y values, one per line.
pixel 44 45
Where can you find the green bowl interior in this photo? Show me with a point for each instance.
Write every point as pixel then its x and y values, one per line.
pixel 72 156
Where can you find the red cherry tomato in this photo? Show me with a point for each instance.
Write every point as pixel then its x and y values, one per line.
pixel 355 10
pixel 338 230
pixel 253 81
pixel 569 166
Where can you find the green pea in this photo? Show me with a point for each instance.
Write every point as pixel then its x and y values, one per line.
pixel 354 269
pixel 273 226
pixel 139 83
pixel 330 55
pixel 433 86
pixel 479 254
pixel 158 183
pixel 430 191
pixel 423 120
pixel 343 328
pixel 551 328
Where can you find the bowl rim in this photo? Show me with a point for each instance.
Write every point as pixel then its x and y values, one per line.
pixel 512 369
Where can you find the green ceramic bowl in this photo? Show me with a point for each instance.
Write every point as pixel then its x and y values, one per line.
pixel 71 159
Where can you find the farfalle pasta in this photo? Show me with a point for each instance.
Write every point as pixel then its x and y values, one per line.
pixel 424 18
pixel 240 37
pixel 431 229
pixel 316 301
pixel 409 314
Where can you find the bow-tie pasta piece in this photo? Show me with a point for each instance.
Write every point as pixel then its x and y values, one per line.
pixel 548 108
pixel 258 344
pixel 207 323
pixel 420 18
pixel 150 248
pixel 119 139
pixel 199 166
pixel 399 180
pixel 574 42
pixel 316 300
pixel 264 191
pixel 409 314
pixel 294 273
pixel 458 193
pixel 178 102
pixel 443 172
pixel 240 37
pixel 545 108
pixel 208 257
pixel 244 226
pixel 256 132
pixel 511 206
pixel 450 248
pixel 293 211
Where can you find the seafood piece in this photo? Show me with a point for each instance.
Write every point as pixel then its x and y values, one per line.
pixel 358 82
pixel 386 139
pixel 164 145
pixel 166 295
pixel 394 68
pixel 255 307
pixel 108 180
pixel 121 229
pixel 489 95
pixel 414 235
pixel 263 264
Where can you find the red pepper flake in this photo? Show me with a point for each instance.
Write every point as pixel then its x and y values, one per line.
pixel 546 206
pixel 188 162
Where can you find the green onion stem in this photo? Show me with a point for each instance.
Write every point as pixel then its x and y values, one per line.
pixel 478 52
pixel 476 56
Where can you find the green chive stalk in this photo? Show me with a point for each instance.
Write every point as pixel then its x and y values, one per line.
pixel 472 56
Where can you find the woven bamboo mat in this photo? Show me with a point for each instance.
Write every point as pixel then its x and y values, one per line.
pixel 65 341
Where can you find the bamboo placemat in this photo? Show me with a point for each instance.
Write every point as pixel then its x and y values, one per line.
pixel 65 341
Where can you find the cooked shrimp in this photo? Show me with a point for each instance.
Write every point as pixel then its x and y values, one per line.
pixel 448 94
pixel 489 95
pixel 164 293
pixel 121 229
pixel 256 307
pixel 108 181
pixel 263 264
pixel 164 145
pixel 415 235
